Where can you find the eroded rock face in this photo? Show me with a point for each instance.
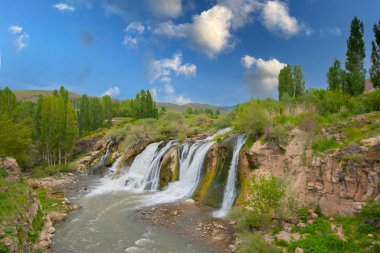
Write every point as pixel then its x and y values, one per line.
pixel 135 150
pixel 11 166
pixel 169 171
pixel 87 145
pixel 340 182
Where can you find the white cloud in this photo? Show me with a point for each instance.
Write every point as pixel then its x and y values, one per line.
pixel 64 7
pixel 166 8
pixel 169 89
pixel 248 61
pixel 276 18
pixel 334 31
pixel 21 41
pixel 242 10
pixel 164 68
pixel 263 79
pixel 209 32
pixel 15 29
pixel 112 92
pixel 130 42
pixel 135 26
pixel 169 29
pixel 181 100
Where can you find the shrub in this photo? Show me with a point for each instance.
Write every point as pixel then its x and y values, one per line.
pixel 3 248
pixel 277 135
pixel 327 101
pixel 3 173
pixel 367 102
pixel 251 118
pixel 264 200
pixel 370 218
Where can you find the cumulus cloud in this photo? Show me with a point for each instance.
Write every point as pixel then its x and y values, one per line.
pixel 112 92
pixel 135 27
pixel 164 68
pixel 276 18
pixel 166 8
pixel 15 29
pixel 333 31
pixel 248 61
pixel 64 7
pixel 262 80
pixel 181 100
pixel 209 31
pixel 242 10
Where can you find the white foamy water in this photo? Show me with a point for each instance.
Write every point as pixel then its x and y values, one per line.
pixel 230 190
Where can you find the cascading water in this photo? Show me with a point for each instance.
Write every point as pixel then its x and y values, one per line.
pixel 102 160
pixel 132 179
pixel 152 178
pixel 190 172
pixel 230 190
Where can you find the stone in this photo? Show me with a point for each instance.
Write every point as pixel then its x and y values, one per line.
pixel 11 244
pixel 51 230
pixel 313 216
pixel 11 166
pixel 296 236
pixel 233 248
pixel 299 250
pixel 334 228
pixel 301 225
pixel 284 236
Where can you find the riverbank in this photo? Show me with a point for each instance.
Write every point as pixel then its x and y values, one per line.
pixel 192 220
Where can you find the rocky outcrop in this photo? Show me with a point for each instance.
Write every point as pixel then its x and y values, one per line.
pixel 340 181
pixel 169 170
pixel 86 145
pixel 12 168
pixel 216 167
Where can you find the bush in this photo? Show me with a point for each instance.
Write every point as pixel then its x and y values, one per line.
pixel 327 101
pixel 277 135
pixel 251 118
pixel 367 102
pixel 264 200
pixel 370 218
pixel 3 173
pixel 3 248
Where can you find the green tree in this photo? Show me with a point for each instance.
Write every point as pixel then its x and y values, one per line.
pixel 335 76
pixel 107 110
pixel 375 57
pixel 285 82
pixel 15 139
pixel 7 101
pixel 355 76
pixel 299 82
pixel 251 118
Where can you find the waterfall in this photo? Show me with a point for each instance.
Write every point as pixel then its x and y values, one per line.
pixel 190 171
pixel 230 190
pixel 102 160
pixel 152 179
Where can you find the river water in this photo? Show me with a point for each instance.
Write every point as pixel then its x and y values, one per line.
pixel 108 222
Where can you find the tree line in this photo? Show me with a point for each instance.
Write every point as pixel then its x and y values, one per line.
pixel 351 80
pixel 46 131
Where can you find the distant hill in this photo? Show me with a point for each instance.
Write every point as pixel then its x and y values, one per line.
pixel 32 95
pixel 182 108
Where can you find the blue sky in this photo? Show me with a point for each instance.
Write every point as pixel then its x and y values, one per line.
pixel 212 51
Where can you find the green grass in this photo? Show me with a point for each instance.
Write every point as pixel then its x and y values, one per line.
pixel 37 225
pixel 14 201
pixel 42 171
pixel 324 144
pixel 3 173
pixel 50 204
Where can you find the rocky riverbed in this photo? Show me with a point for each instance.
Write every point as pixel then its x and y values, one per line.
pixel 191 219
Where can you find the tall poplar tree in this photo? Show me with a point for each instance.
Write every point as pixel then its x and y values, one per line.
pixel 285 82
pixel 299 82
pixel 355 77
pixel 375 57
pixel 335 76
